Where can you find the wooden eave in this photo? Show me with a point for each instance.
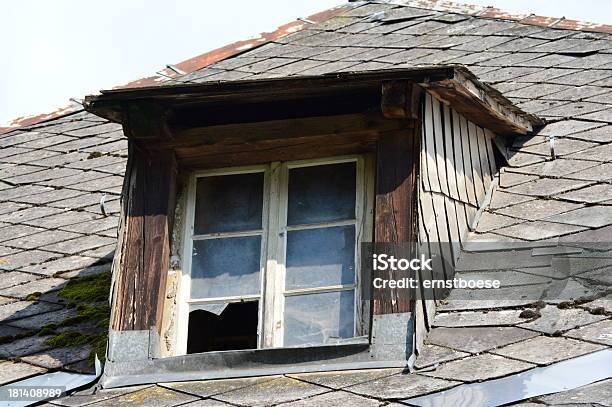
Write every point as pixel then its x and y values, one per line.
pixel 454 85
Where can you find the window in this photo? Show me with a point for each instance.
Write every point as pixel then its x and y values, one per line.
pixel 272 255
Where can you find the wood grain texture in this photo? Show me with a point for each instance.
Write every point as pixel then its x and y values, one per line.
pixel 143 255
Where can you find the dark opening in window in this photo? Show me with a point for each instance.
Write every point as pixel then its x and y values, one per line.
pixel 235 328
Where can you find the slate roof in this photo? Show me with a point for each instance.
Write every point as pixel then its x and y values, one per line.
pixel 53 175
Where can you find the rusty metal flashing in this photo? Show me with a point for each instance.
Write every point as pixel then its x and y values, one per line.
pixel 453 84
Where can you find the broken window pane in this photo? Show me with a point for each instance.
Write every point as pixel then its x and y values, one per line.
pixel 320 257
pixel 225 267
pixel 229 203
pixel 319 318
pixel 234 328
pixel 322 193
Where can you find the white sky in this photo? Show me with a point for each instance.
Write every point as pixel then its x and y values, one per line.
pixel 51 51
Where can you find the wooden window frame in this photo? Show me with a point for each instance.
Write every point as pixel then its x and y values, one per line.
pixel 273 247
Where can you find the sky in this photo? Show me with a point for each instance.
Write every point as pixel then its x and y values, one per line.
pixel 51 51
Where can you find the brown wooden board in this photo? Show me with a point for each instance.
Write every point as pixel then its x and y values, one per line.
pixel 143 256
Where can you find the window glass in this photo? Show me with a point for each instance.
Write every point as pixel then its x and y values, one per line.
pixel 320 257
pixel 229 203
pixel 225 267
pixel 322 193
pixel 319 318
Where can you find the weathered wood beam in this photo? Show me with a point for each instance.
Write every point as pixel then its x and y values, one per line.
pixel 241 133
pixel 400 99
pixel 141 260
pixel 396 220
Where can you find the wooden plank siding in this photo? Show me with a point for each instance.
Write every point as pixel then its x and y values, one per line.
pixel 457 167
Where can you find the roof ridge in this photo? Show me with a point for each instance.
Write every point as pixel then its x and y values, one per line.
pixel 495 13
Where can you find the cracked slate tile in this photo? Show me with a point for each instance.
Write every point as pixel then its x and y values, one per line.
pixel 430 355
pixel 598 332
pixel 279 390
pixel 11 371
pixel 599 393
pixel 491 221
pixel 477 318
pixel 538 230
pixel 554 319
pixel 155 396
pixel 345 378
pixel 544 350
pixel 40 320
pixel 402 386
pixel 477 339
pixel 479 368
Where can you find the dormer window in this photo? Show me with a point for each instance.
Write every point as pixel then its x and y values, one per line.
pixel 273 254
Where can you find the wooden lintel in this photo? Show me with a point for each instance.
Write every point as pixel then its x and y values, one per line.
pixel 399 99
pixel 145 120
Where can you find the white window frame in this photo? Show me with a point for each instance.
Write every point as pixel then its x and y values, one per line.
pixel 273 246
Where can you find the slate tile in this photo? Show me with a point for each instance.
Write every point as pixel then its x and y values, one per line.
pixel 88 271
pixel 538 230
pixel 602 154
pixel 7 152
pixel 62 159
pixel 335 398
pixel 22 309
pixel 512 59
pixel 507 278
pixel 491 221
pixel 91 396
pixel 345 378
pixel 518 45
pixel 94 130
pixel 591 216
pixel 402 386
pixel 24 346
pixel 599 393
pixel 600 193
pixel 5 251
pixel 61 265
pixel 44 285
pixel 13 278
pixel 479 368
pixel 544 350
pixel 567 127
pixel 477 318
pixel 10 331
pixel 537 209
pixel 13 193
pixel 503 199
pixel 58 357
pixel 74 179
pixel 329 67
pixel 431 355
pixel 29 214
pixel 585 77
pixel 573 109
pixel 12 170
pixel 500 260
pixel 36 322
pixel 561 167
pixel 522 159
pixel 507 74
pixel 79 245
pixel 209 388
pixel 599 332
pixel 104 252
pixel 50 196
pixel 25 258
pixel 477 339
pixel 62 219
pixel 599 135
pixel 206 403
pixel 509 179
pixel 554 319
pixel 280 390
pixel 544 187
pixel 93 163
pixel 537 90
pixel 11 371
pixel 600 115
pixel 548 60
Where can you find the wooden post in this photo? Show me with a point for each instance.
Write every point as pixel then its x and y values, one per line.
pixel 396 220
pixel 142 257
